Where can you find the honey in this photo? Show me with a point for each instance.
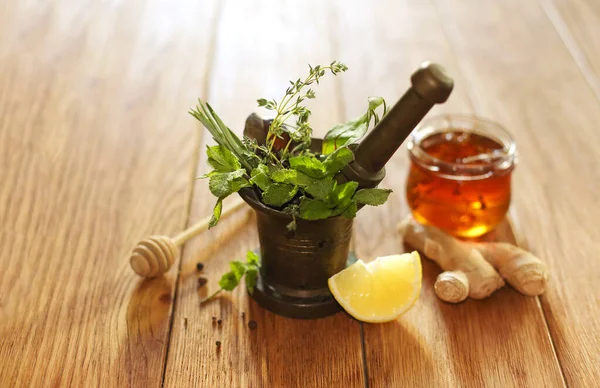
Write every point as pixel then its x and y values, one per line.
pixel 460 175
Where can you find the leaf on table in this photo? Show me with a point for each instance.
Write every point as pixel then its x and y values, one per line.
pixel 238 269
pixel 251 276
pixel 252 258
pixel 229 281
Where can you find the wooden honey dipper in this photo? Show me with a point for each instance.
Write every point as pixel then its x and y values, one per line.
pixel 154 255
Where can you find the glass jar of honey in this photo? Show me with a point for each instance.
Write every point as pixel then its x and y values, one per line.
pixel 460 172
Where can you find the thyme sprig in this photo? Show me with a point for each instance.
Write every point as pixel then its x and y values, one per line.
pixel 290 105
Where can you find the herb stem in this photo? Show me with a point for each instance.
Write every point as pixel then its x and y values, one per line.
pixel 285 101
pixel 212 295
pixel 287 146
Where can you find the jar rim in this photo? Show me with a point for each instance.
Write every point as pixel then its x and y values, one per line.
pixel 500 163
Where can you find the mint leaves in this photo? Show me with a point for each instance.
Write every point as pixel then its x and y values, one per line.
pixel 321 188
pixel 260 177
pixel 346 133
pixel 338 160
pixel 292 177
pixel 228 177
pixel 314 209
pixel 277 194
pixel 373 197
pixel 230 280
pixel 281 166
pixel 222 185
pixel 342 200
pixel 309 165
pixel 307 189
pixel 313 180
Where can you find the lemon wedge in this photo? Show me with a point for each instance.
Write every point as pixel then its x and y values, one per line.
pixel 380 291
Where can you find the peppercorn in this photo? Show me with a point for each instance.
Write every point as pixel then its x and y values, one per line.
pixel 199 266
pixel 252 325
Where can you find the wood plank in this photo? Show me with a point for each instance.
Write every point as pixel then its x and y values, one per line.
pixel 540 92
pixel 501 341
pixel 96 152
pixel 578 24
pixel 255 57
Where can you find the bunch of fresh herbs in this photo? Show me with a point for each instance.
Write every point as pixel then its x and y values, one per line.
pixel 283 169
pixel 294 180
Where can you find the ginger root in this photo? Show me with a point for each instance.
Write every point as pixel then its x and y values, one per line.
pixel 475 269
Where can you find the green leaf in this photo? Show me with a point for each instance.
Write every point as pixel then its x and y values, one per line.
pixel 260 169
pixel 219 185
pixel 278 194
pixel 338 160
pixel 216 213
pixel 261 102
pixel 314 209
pixel 223 184
pixel 238 184
pixel 375 102
pixel 333 144
pixel 350 211
pixel 321 188
pixel 309 165
pixel 373 197
pixel 342 195
pixel 251 275
pixel 208 174
pixel 221 159
pixel 351 130
pixel 229 281
pixel 238 269
pixel 291 177
pixel 260 177
pixel 252 258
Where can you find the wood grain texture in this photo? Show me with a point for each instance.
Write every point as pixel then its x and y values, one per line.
pixel 500 341
pixel 577 22
pixel 95 153
pixel 256 56
pixel 529 80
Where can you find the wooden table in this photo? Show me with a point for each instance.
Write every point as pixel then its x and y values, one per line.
pixel 97 151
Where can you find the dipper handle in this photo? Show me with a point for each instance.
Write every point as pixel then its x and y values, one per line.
pixel 155 255
pixel 430 85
